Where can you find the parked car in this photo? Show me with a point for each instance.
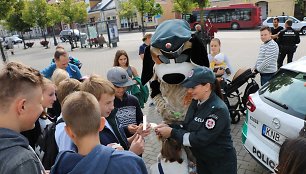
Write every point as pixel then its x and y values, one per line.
pixel 276 112
pixel 14 38
pixel 296 24
pixel 66 34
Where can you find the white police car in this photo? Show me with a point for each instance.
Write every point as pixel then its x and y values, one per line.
pixel 276 112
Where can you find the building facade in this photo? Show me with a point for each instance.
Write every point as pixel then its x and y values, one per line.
pixel 268 7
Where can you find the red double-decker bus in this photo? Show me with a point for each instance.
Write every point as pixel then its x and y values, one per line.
pixel 234 16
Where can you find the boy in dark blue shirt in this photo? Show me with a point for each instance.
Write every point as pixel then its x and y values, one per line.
pixel 81 112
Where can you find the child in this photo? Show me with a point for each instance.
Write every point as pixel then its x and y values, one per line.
pixel 64 89
pixel 219 59
pixel 128 112
pixel 218 63
pixel 82 115
pixel 104 91
pixel 20 106
pixel 48 89
pixel 172 159
pixel 138 90
pixel 122 60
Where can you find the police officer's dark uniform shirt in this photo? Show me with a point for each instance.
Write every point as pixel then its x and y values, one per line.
pixel 210 139
pixel 287 39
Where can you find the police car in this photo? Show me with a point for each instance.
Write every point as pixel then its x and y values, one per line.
pixel 296 24
pixel 276 112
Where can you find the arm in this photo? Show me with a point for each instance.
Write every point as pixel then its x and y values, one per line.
pixel 134 72
pixel 297 38
pixel 203 136
pixel 226 60
pixel 270 54
pixel 48 71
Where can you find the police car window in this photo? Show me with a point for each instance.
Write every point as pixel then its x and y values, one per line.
pixel 282 19
pixel 270 20
pixel 287 88
pixel 293 20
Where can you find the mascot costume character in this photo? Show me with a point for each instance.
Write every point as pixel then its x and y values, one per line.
pixel 173 53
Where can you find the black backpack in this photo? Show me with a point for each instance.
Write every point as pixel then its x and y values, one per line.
pixel 46 147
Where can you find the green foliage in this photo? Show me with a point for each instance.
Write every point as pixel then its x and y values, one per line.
pixel 53 14
pixel 15 21
pixel 36 12
pixel 147 6
pixel 127 10
pixel 6 6
pixel 184 6
pixel 73 11
pixel 301 5
pixel 201 5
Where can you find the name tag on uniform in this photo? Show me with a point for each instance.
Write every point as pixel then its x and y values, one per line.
pixel 200 120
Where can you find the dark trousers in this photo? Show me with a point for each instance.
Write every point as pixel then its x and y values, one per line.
pixel 265 77
pixel 289 51
pixel 226 165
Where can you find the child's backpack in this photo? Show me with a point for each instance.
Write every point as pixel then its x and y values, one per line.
pixel 73 61
pixel 46 147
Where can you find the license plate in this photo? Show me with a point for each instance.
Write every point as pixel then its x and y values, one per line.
pixel 273 135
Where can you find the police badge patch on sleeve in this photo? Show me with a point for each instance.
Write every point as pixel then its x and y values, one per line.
pixel 211 121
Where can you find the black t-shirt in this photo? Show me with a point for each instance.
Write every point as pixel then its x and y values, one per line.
pixel 276 30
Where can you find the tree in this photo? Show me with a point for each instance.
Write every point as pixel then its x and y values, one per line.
pixel 36 11
pixel 127 10
pixel 302 5
pixel 201 5
pixel 147 7
pixel 73 12
pixel 15 22
pixel 184 6
pixel 6 6
pixel 54 16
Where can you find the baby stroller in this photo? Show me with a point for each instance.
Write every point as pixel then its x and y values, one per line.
pixel 232 97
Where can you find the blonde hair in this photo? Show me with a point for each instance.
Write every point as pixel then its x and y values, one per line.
pixel 81 112
pixel 59 75
pixel 46 83
pixel 66 87
pixel 97 86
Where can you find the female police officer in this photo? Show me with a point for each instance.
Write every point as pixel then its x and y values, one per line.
pixel 206 128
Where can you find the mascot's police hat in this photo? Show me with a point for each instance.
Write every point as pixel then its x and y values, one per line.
pixel 171 35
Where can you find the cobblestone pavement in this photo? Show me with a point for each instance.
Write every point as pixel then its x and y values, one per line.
pixel 245 165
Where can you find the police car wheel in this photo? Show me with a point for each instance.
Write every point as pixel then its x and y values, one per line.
pixel 303 30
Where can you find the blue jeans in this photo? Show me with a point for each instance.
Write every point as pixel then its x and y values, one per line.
pixel 265 77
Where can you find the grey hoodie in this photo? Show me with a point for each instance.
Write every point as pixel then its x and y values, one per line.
pixel 15 155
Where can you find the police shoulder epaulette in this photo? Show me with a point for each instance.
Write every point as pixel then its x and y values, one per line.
pixel 214 116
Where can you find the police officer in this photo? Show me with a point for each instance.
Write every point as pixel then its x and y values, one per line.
pixel 287 40
pixel 206 128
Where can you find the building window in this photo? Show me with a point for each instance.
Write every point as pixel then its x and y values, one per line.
pixel 92 19
pixel 150 18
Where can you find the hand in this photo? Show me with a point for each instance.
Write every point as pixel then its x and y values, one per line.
pixel 155 88
pixel 165 132
pixel 220 72
pixel 132 128
pixel 115 146
pixel 137 145
pixel 142 132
